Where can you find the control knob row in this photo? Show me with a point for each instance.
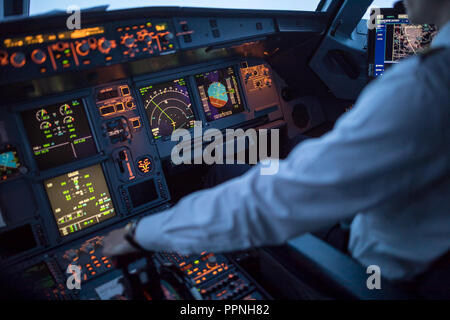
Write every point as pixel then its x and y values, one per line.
pixel 19 59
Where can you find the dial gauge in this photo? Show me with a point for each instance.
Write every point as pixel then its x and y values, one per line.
pixel 65 109
pixel 42 115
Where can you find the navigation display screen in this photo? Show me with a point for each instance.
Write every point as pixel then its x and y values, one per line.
pixel 168 106
pixel 219 93
pixel 79 199
pixel 396 39
pixel 59 133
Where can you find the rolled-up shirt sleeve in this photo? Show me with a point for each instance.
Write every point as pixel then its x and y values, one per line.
pixel 387 145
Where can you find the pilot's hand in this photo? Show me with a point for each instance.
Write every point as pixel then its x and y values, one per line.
pixel 115 244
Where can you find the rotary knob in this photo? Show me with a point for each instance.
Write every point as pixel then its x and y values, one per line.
pixel 129 41
pixel 104 45
pixel 167 37
pixel 212 262
pixel 38 56
pixel 83 48
pixel 18 59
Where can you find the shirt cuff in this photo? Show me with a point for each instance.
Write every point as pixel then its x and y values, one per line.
pixel 149 233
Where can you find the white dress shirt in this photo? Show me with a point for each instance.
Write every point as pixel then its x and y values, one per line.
pixel 386 162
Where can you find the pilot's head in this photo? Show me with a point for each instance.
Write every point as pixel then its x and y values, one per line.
pixel 428 11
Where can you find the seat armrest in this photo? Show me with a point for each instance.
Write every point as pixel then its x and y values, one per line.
pixel 342 271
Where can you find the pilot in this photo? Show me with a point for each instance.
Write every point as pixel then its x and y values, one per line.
pixel 386 164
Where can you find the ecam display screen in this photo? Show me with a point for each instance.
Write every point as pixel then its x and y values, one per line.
pixel 219 92
pixel 79 199
pixel 59 133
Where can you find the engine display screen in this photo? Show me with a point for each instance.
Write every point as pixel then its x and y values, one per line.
pixel 219 93
pixel 59 133
pixel 79 199
pixel 168 106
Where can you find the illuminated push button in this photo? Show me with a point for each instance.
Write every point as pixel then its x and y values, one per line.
pixel 120 107
pixel 106 110
pixel 136 123
pixel 18 59
pixel 125 91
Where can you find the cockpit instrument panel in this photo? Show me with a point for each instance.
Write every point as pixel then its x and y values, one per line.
pixel 59 133
pixel 219 93
pixel 168 106
pixel 79 199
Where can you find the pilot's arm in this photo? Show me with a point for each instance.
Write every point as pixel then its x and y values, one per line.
pixel 387 146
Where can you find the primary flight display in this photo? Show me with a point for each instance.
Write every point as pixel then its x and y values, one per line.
pixel 219 93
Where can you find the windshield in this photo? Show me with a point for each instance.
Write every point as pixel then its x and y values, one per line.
pixel 44 6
